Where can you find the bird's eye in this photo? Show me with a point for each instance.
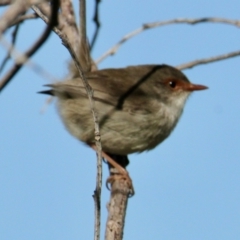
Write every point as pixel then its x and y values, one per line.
pixel 172 84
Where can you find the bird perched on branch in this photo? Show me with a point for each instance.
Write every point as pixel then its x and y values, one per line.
pixel 137 107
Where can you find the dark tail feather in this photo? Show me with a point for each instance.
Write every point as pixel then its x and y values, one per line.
pixel 48 92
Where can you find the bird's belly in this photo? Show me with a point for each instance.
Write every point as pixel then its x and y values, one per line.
pixel 137 136
pixel 121 133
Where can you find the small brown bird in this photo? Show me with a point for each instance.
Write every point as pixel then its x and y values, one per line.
pixel 137 107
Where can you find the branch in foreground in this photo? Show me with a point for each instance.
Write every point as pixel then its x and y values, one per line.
pixel 14 38
pixel 66 20
pixel 5 2
pixel 148 26
pixel 11 73
pixel 97 193
pixel 23 18
pixel 68 23
pixel 207 60
pixel 84 52
pixel 86 63
pixel 97 135
pixel 97 23
pixel 11 14
pixel 20 57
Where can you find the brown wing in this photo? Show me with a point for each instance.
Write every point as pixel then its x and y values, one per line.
pixel 125 88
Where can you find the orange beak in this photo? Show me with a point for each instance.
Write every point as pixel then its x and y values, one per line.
pixel 194 87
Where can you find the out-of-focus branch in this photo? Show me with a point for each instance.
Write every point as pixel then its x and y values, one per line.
pixel 19 56
pixel 67 23
pixel 14 38
pixel 86 64
pixel 44 17
pixel 23 18
pixel 147 26
pixel 18 8
pixel 97 23
pixel 68 45
pixel 5 2
pixel 9 75
pixel 207 60
pixel 84 51
pixel 89 91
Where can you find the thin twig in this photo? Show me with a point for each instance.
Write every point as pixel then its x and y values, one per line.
pixel 97 23
pixel 67 23
pixel 207 60
pixel 5 2
pixel 92 107
pixel 97 192
pixel 53 21
pixel 20 57
pixel 85 59
pixel 147 26
pixel 85 62
pixel 14 38
pixel 84 52
pixel 16 9
pixel 23 18
pixel 89 91
pixel 83 23
pixel 46 20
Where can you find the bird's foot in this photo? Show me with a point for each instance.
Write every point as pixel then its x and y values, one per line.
pixel 120 174
pixel 121 177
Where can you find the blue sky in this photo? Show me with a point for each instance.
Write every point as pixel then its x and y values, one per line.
pixel 188 188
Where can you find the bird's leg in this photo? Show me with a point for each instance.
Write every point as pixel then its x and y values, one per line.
pixel 121 173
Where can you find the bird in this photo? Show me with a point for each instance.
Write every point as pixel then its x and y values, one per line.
pixel 137 107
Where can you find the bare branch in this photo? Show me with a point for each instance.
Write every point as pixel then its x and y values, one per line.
pixel 67 23
pixel 89 92
pixel 66 18
pixel 97 22
pixel 97 213
pixel 16 9
pixel 147 26
pixel 14 38
pixel 207 60
pixel 84 52
pixel 117 209
pixel 20 57
pixel 23 18
pixel 42 12
pixel 9 75
pixel 85 62
pixel 83 23
pixel 5 2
